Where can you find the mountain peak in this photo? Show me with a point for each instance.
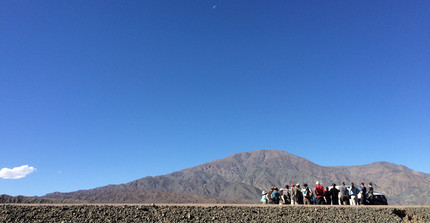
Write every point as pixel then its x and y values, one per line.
pixel 241 177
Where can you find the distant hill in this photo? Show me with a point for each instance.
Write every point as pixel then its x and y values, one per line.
pixel 241 177
pixel 34 200
pixel 124 194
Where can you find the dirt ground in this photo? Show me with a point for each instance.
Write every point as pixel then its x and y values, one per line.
pixel 210 213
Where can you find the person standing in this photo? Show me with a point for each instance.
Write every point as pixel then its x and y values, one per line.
pixel 363 194
pixel 281 196
pixel 287 194
pixel 264 199
pixel 307 194
pixel 319 192
pixel 293 194
pixel 353 192
pixel 299 195
pixel 275 196
pixel 269 195
pixel 334 194
pixel 327 196
pixel 343 194
pixel 370 193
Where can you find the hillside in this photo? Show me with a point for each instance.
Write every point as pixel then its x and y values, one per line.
pixel 124 194
pixel 241 177
pixel 35 200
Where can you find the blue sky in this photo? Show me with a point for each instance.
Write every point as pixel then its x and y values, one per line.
pixel 105 92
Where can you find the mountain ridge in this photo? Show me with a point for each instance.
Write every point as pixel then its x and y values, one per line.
pixel 239 178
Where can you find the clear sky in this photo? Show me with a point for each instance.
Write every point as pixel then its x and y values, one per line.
pixel 106 92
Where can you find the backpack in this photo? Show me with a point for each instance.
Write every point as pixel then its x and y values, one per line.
pixel 307 193
pixel 286 195
pixel 276 196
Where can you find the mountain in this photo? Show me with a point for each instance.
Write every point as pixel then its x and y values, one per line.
pixel 240 178
pixel 34 200
pixel 124 194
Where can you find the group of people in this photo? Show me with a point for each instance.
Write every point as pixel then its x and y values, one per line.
pixel 336 195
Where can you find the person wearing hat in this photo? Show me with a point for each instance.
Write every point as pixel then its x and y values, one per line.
pixel 293 195
pixel 264 198
pixel 319 192
pixel 307 194
pixel 282 197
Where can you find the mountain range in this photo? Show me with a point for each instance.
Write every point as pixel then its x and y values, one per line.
pixel 241 177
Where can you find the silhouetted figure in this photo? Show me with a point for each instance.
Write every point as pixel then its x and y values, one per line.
pixel 370 196
pixel 363 194
pixel 299 195
pixel 327 196
pixel 334 195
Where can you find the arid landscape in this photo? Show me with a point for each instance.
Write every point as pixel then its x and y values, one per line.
pixel 228 190
pixel 210 213
pixel 214 111
pixel 241 177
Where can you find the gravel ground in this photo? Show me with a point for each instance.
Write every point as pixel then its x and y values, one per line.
pixel 210 213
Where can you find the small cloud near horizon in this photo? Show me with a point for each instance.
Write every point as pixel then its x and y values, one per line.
pixel 16 172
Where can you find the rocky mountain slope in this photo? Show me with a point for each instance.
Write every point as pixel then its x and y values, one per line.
pixel 34 200
pixel 125 194
pixel 241 177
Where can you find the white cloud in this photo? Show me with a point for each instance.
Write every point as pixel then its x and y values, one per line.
pixel 16 172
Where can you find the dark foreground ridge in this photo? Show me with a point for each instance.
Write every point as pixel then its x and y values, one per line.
pixel 209 213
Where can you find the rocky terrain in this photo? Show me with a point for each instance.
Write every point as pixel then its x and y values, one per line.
pixel 210 213
pixel 241 177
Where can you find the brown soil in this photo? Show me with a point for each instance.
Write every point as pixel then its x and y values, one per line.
pixel 211 213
